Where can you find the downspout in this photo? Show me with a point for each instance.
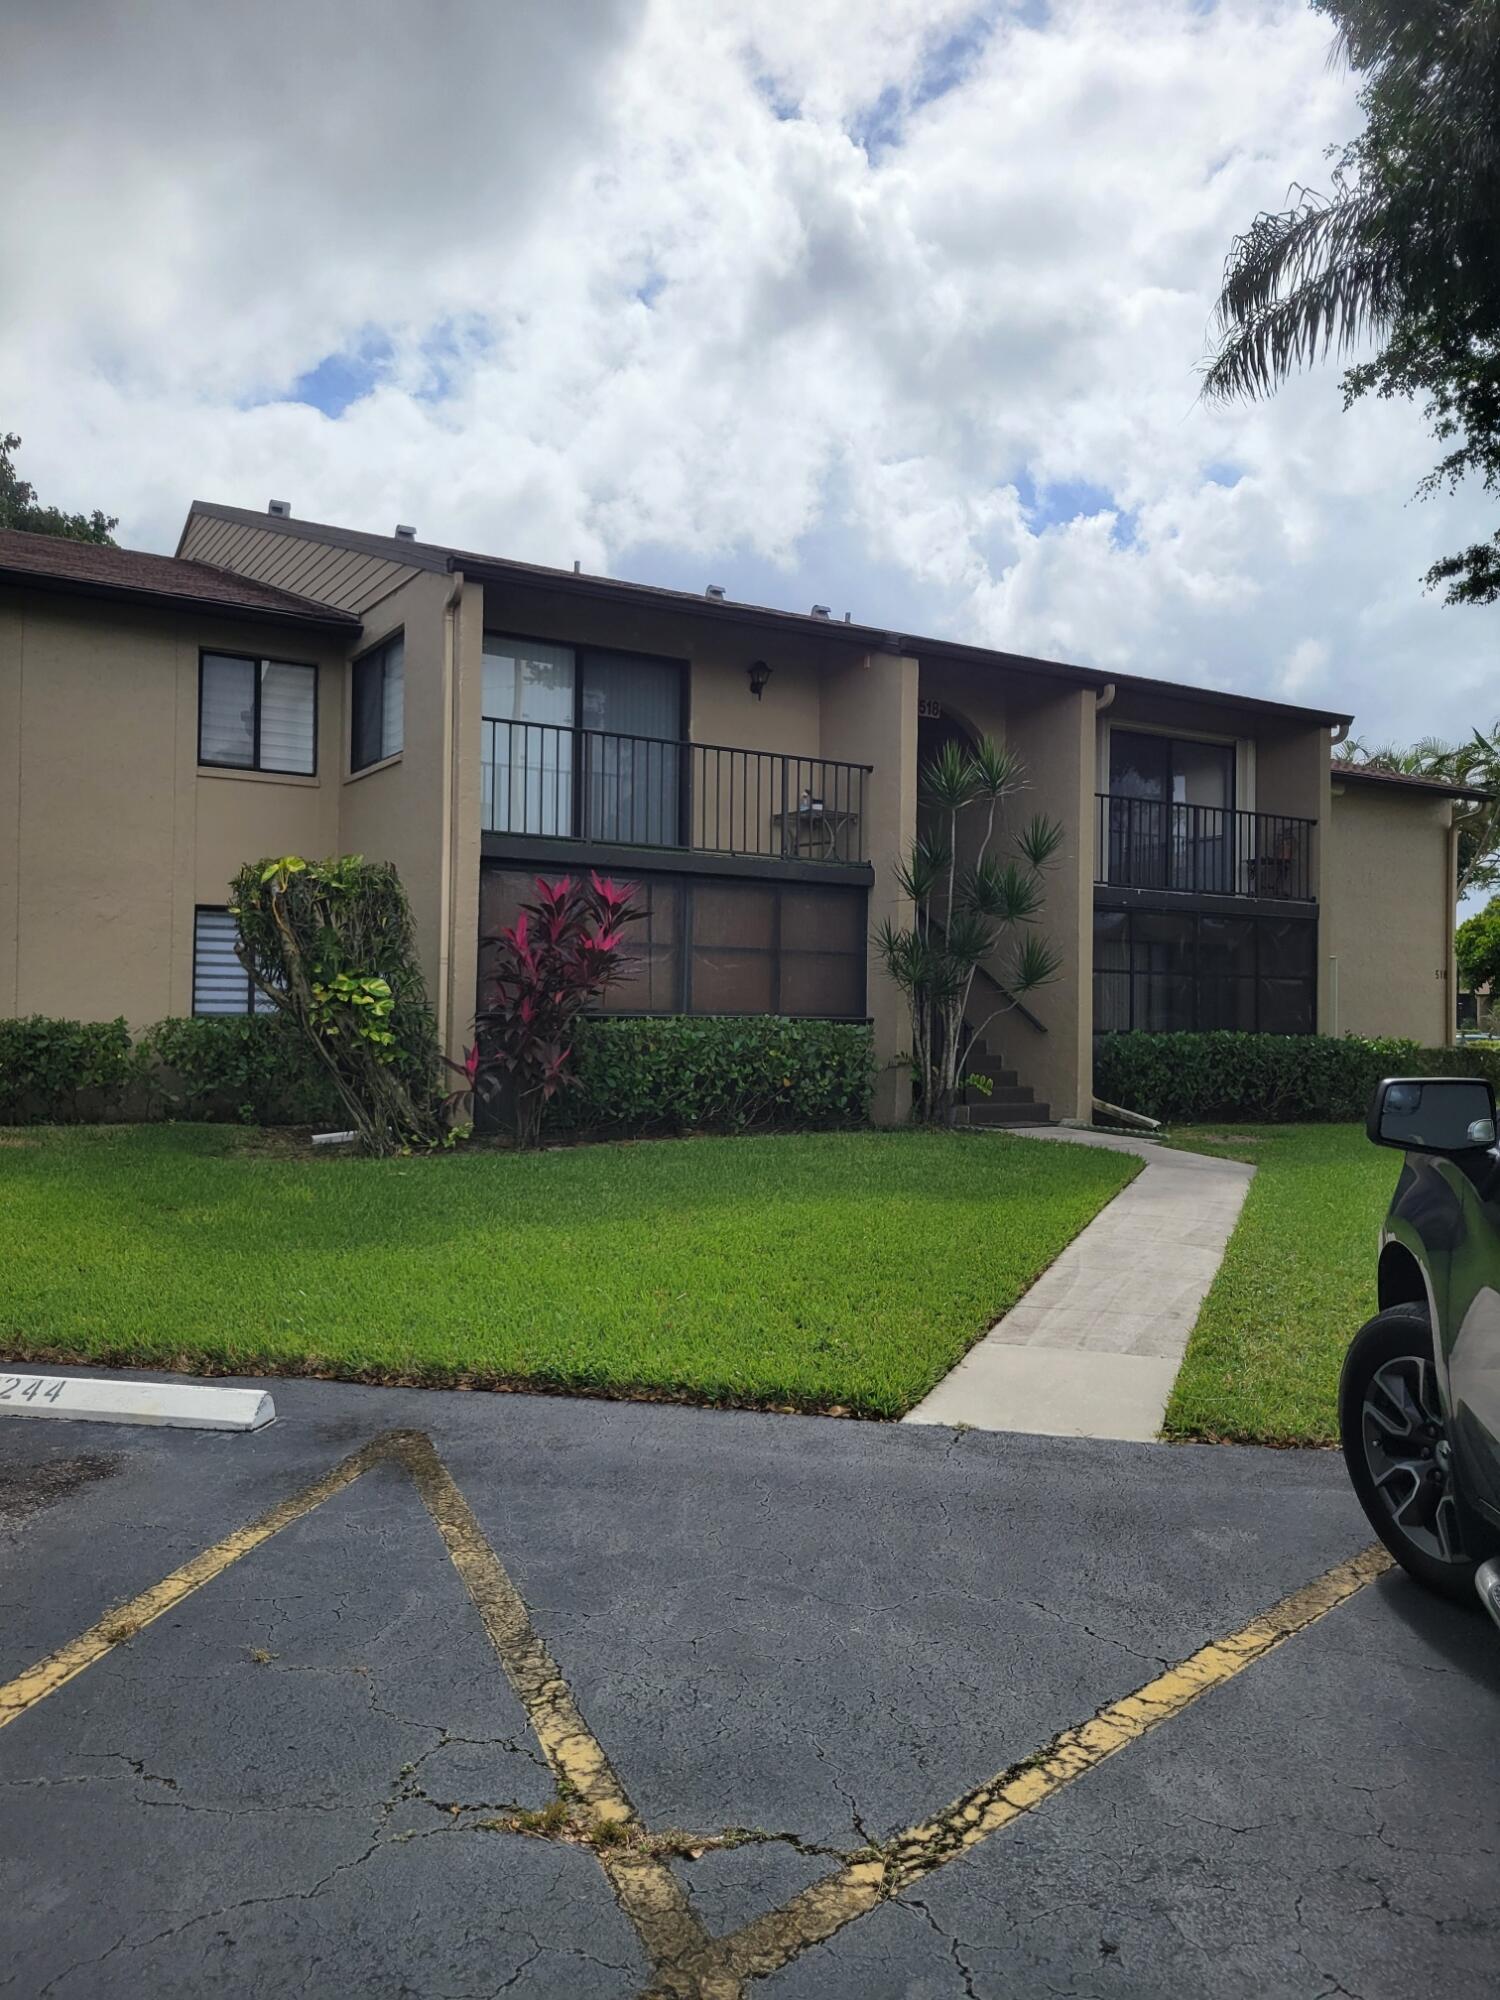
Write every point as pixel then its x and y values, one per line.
pixel 1103 699
pixel 1336 735
pixel 1451 981
pixel 451 790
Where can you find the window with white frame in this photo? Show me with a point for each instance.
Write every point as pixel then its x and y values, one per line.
pixel 221 984
pixel 257 715
pixel 379 707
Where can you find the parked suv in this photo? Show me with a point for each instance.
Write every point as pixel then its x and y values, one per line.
pixel 1419 1399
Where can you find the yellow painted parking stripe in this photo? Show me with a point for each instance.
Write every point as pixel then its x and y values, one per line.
pixel 125 1620
pixel 687 1963
pixel 766 1944
pixel 650 1894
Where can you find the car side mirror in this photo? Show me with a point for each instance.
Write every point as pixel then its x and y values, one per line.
pixel 1433 1114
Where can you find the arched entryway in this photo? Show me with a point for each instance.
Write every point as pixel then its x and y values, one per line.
pixel 934 732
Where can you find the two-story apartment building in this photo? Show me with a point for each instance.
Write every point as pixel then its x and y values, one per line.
pixel 281 685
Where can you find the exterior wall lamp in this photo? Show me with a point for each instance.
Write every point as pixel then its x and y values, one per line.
pixel 760 673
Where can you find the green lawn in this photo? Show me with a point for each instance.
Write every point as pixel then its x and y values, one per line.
pixel 1297 1283
pixel 837 1269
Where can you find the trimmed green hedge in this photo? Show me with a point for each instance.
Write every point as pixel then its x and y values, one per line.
pixel 54 1071
pixel 683 1072
pixel 1266 1079
pixel 668 1074
pixel 221 1068
pixel 250 1069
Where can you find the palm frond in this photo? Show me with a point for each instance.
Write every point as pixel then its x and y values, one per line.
pixel 948 780
pixel 920 871
pixel 1035 964
pixel 1002 892
pixel 969 939
pixel 996 769
pixel 1039 840
pixel 1320 275
pixel 923 970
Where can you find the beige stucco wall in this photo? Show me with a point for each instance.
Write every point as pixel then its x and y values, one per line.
pixel 1188 713
pixel 868 711
pixel 109 833
pixel 419 810
pixel 1055 734
pixel 1053 729
pixel 1388 902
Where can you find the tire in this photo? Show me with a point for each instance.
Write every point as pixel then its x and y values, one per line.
pixel 1396 1448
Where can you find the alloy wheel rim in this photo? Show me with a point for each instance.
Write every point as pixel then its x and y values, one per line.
pixel 1407 1453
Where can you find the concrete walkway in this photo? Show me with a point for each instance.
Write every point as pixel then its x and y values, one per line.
pixel 1092 1350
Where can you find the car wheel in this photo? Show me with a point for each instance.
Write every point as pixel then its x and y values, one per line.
pixel 1397 1449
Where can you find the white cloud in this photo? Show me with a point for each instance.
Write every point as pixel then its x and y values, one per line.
pixel 641 296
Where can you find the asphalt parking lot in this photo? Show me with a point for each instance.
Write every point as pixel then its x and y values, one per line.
pixel 475 1694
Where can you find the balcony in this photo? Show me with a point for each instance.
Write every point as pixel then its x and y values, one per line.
pixel 607 789
pixel 1202 850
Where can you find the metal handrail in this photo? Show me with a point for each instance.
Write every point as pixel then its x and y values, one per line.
pixel 1202 850
pixel 649 791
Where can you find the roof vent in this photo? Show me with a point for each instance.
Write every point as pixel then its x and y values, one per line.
pixel 716 591
pixel 821 611
pixel 281 507
pixel 405 533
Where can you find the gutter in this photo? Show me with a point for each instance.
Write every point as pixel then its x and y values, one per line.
pixel 449 860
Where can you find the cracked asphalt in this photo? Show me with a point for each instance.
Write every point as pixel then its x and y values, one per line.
pixel 792 1639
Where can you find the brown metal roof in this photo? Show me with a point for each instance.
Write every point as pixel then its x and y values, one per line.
pixel 53 562
pixel 866 638
pixel 1405 781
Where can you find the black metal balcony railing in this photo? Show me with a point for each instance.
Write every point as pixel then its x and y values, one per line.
pixel 642 791
pixel 1202 850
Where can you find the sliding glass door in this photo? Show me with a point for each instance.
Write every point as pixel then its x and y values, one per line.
pixel 1171 813
pixel 631 710
pixel 528 738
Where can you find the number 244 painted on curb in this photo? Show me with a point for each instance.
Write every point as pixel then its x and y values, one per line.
pixel 30 1388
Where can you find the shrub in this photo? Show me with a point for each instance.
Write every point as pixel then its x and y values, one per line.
pixel 55 1070
pixel 254 1068
pixel 332 945
pixel 665 1074
pixel 677 1073
pixel 1266 1078
pixel 559 957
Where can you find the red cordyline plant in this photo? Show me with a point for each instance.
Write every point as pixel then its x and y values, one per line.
pixel 559 958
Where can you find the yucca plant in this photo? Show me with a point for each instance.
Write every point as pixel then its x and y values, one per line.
pixel 967 914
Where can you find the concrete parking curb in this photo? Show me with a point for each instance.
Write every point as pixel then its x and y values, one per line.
pixel 100 1400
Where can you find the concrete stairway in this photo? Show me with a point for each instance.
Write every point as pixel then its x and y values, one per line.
pixel 1009 1102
